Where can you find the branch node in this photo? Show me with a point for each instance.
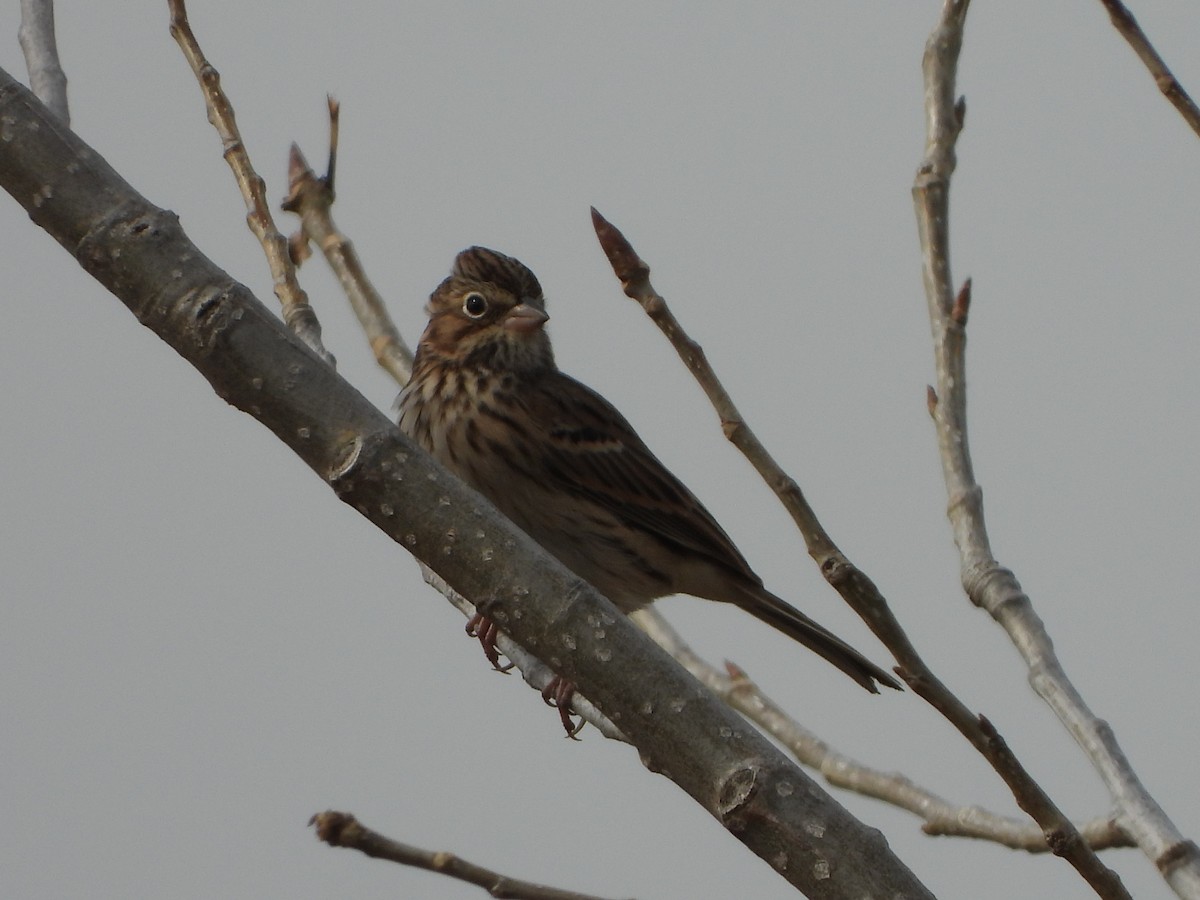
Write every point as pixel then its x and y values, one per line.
pixel 629 268
pixel 1178 854
pixel 962 305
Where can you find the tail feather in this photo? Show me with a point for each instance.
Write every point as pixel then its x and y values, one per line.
pixel 765 606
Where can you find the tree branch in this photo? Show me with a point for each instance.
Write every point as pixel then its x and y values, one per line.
pixel 940 816
pixel 297 312
pixel 140 253
pixel 986 583
pixel 1125 23
pixel 855 587
pixel 851 582
pixel 338 829
pixel 46 75
pixel 311 198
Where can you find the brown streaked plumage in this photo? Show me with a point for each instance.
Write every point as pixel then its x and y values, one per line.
pixel 488 401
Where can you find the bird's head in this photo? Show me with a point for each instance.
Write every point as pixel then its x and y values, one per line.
pixel 490 312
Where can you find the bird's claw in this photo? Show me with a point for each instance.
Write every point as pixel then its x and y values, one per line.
pixel 558 693
pixel 485 631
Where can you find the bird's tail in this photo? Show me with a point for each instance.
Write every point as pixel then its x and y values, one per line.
pixel 765 606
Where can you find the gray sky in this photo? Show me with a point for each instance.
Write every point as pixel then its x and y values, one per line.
pixel 200 647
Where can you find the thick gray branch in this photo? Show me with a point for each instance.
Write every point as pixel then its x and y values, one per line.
pixel 140 253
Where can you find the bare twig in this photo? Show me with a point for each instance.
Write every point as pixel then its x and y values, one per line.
pixel 855 587
pixel 1125 23
pixel 311 198
pixel 851 582
pixel 297 313
pixel 940 817
pixel 988 584
pixel 46 75
pixel 338 829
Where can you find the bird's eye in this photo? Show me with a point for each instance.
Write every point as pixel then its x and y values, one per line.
pixel 474 305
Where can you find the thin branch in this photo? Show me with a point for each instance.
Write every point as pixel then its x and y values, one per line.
pixel 46 75
pixel 338 829
pixel 1125 23
pixel 297 313
pixel 851 582
pixel 311 198
pixel 988 584
pixel 939 816
pixel 854 586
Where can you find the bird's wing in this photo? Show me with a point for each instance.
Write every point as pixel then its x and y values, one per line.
pixel 594 453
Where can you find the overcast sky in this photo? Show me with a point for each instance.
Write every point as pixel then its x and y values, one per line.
pixel 200 647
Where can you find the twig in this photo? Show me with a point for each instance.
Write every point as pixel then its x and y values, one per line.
pixel 46 75
pixel 338 829
pixel 311 198
pixel 989 585
pixel 1125 23
pixel 855 587
pixel 297 313
pixel 939 816
pixel 851 582
pixel 848 580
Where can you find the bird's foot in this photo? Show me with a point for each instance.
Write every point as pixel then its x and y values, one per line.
pixel 558 693
pixel 486 631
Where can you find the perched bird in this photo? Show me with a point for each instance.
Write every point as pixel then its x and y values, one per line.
pixel 487 400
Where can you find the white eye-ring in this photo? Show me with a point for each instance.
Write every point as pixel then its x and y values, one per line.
pixel 475 305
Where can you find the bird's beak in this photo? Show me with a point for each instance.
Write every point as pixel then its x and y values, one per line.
pixel 524 319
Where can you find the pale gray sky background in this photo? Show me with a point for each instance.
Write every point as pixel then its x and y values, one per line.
pixel 200 647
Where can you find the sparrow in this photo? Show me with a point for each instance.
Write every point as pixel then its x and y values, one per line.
pixel 487 400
